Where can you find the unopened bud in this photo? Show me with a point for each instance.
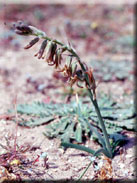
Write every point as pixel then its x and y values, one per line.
pixel 50 51
pixel 58 57
pixel 41 50
pixel 31 43
pixel 22 28
pixel 21 33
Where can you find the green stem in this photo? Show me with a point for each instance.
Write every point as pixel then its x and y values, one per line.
pixel 84 172
pixel 101 123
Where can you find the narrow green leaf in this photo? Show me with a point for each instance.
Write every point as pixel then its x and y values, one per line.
pixel 79 147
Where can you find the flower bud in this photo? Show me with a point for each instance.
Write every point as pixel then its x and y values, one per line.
pixel 50 51
pixel 22 28
pixel 58 57
pixel 31 43
pixel 41 50
pixel 21 33
pixel 91 84
pixel 53 51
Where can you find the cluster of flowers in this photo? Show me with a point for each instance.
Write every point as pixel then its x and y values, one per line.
pixel 52 53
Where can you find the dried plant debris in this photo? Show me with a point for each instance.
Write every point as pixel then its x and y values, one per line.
pixel 112 70
pixel 18 163
pixel 68 121
pixel 5 175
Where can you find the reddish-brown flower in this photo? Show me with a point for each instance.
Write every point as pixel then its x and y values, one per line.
pixel 91 82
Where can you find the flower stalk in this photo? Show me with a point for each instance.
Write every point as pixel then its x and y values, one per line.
pixel 76 71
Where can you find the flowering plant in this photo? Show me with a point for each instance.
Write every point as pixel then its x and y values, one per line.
pixel 52 52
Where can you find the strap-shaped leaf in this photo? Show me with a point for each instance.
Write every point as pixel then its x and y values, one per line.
pixel 79 147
